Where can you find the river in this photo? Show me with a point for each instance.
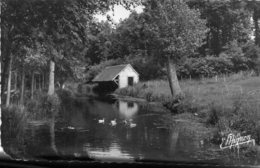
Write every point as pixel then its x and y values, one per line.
pixel 114 130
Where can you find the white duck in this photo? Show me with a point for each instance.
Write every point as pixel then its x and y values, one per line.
pixel 132 125
pixel 102 121
pixel 70 127
pixel 113 122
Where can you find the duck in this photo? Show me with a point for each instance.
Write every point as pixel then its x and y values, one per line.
pixel 101 121
pixel 70 127
pixel 113 122
pixel 125 122
pixel 132 125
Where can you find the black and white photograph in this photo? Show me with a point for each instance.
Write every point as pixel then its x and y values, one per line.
pixel 133 82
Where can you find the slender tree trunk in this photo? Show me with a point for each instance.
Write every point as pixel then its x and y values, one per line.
pixel 32 85
pixel 15 80
pixel 51 78
pixel 35 82
pixel 40 82
pixel 256 25
pixel 172 78
pixel 22 87
pixel 9 83
pixel 6 64
pixel 43 81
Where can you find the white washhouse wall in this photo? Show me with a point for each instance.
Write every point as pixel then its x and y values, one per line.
pixel 125 73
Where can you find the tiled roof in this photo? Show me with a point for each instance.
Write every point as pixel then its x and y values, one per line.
pixel 109 73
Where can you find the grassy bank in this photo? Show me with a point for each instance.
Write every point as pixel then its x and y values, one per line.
pixel 229 103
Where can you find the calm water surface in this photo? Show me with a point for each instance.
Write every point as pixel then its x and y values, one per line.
pixel 76 133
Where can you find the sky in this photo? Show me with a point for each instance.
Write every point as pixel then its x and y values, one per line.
pixel 119 13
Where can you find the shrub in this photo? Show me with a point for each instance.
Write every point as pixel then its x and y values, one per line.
pixel 252 52
pixel 214 114
pixel 207 67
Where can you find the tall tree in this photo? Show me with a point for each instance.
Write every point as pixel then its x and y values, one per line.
pixel 180 30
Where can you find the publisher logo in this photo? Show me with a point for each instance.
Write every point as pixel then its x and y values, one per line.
pixel 233 140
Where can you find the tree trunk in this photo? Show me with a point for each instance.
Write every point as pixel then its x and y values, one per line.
pixel 256 25
pixel 43 81
pixel 22 87
pixel 40 82
pixel 15 80
pixel 172 78
pixel 9 83
pixel 35 82
pixel 5 68
pixel 51 78
pixel 32 85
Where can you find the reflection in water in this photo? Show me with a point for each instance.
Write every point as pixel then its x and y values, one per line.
pixel 113 152
pixel 76 133
pixel 127 110
pixel 52 134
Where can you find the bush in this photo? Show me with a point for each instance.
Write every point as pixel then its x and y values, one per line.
pixel 207 67
pixel 42 107
pixel 214 114
pixel 242 116
pixel 252 52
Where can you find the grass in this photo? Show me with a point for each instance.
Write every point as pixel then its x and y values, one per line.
pixel 230 103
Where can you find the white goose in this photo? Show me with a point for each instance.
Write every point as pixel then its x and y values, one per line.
pixel 102 121
pixel 113 122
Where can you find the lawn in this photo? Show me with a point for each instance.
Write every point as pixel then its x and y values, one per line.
pixel 203 91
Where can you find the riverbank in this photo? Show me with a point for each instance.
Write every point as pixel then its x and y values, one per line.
pixel 230 104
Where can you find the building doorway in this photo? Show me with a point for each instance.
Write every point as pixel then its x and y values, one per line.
pixel 130 81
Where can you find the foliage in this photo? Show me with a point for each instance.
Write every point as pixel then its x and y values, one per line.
pixel 239 60
pixel 226 20
pixel 35 32
pixel 207 67
pixel 43 106
pixel 252 52
pixel 180 30
pixel 143 66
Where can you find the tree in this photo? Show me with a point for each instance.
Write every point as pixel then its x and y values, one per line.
pixel 254 7
pixel 59 26
pixel 226 20
pixel 65 23
pixel 16 33
pixel 180 31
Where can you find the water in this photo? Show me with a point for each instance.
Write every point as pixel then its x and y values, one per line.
pixel 76 133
